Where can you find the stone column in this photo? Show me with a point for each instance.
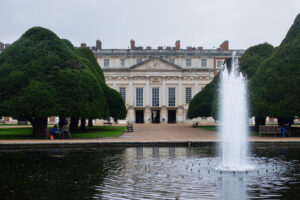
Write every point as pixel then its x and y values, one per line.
pixel 131 94
pixel 180 114
pixel 147 115
pixel 130 114
pixel 180 93
pixel 164 114
pixel 147 93
pixel 164 93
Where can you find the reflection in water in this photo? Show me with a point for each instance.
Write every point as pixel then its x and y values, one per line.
pixel 234 186
pixel 155 152
pixel 146 173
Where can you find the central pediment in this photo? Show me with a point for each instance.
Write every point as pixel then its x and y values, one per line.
pixel 155 64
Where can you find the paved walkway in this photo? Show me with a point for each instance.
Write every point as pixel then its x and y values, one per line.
pixel 155 133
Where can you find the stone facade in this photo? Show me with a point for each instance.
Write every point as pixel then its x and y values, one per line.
pixel 172 75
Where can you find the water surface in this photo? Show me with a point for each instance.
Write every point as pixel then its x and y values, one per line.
pixel 147 173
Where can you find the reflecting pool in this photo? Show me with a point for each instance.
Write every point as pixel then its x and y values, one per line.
pixel 148 173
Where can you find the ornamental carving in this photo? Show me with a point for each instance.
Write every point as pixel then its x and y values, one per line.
pixel 155 64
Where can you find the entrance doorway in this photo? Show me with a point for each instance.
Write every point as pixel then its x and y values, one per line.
pixel 171 116
pixel 155 116
pixel 139 116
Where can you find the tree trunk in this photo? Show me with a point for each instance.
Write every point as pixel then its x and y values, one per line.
pixel 82 125
pixel 39 126
pixel 285 120
pixel 259 121
pixel 74 124
pixel 62 121
pixel 90 124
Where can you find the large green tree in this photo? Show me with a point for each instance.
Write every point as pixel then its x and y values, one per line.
pixel 116 105
pixel 275 87
pixel 40 76
pixel 205 103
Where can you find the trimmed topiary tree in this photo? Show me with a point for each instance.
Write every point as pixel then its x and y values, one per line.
pixel 275 87
pixel 41 77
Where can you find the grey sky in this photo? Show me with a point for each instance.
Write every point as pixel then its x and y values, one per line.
pixel 155 23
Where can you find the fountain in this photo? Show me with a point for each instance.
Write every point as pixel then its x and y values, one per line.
pixel 234 118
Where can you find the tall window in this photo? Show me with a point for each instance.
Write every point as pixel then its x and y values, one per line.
pixel 106 62
pixel 139 97
pixel 188 95
pixel 123 94
pixel 219 63
pixel 203 62
pixel 171 96
pixel 188 62
pixel 139 60
pixel 171 60
pixel 155 97
pixel 122 62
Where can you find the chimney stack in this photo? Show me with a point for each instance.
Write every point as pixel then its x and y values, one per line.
pixel 132 44
pixel 98 44
pixel 177 45
pixel 224 45
pixel 1 46
pixel 83 45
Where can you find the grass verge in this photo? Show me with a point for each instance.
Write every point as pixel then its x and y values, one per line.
pixel 89 132
pixel 209 128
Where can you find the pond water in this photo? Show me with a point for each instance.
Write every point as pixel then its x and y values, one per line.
pixel 147 173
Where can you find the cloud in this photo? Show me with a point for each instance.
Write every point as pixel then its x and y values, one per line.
pixel 204 23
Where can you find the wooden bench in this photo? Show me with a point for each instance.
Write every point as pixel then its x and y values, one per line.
pixel 195 125
pixel 107 123
pixel 22 122
pixel 129 127
pixel 271 130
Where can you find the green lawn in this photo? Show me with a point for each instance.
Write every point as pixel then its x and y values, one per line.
pixel 209 128
pixel 16 133
pixel 99 131
pixel 93 132
pixel 15 124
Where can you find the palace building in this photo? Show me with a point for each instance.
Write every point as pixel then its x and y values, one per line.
pixel 157 85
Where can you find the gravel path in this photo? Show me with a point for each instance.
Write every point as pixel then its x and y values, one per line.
pixel 156 133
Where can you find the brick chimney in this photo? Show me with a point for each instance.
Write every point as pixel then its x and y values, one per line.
pixel 132 44
pixel 83 45
pixel 6 45
pixel 1 46
pixel 177 45
pixel 98 44
pixel 224 45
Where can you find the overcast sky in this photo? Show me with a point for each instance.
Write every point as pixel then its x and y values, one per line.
pixel 153 23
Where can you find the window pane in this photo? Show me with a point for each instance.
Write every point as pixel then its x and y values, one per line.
pixel 171 96
pixel 203 62
pixel 123 93
pixel 106 62
pixel 188 95
pixel 188 62
pixel 155 97
pixel 139 97
pixel 219 63
pixel 122 62
pixel 171 60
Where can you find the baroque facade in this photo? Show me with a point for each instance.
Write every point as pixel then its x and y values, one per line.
pixel 157 85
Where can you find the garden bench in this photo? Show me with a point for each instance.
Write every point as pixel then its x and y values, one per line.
pixel 270 129
pixel 129 128
pixel 195 125
pixel 22 122
pixel 107 123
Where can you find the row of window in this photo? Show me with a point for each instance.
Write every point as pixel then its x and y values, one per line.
pixel 155 96
pixel 188 62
